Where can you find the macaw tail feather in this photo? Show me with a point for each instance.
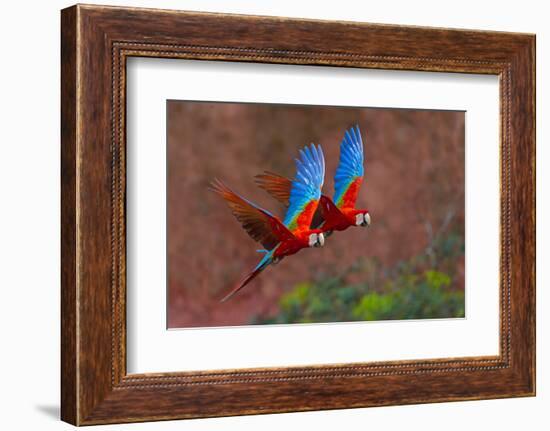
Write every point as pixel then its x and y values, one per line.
pixel 249 277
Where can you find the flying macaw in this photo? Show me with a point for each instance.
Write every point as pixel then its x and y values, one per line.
pixel 281 239
pixel 338 213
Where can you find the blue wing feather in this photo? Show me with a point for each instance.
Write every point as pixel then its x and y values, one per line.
pixel 350 166
pixel 307 184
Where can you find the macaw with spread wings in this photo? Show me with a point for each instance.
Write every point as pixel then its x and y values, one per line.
pixel 287 237
pixel 338 213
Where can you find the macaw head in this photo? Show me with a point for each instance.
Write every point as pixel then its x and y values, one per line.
pixel 316 238
pixel 362 218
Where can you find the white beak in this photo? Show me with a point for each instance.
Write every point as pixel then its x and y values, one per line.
pixel 316 240
pixel 367 219
pixel 321 240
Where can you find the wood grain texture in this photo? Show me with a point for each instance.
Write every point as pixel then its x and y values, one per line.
pixel 96 41
pixel 68 218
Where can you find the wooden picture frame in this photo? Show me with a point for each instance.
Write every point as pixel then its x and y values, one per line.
pixel 96 41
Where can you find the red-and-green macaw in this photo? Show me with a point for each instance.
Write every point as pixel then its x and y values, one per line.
pixel 338 213
pixel 287 237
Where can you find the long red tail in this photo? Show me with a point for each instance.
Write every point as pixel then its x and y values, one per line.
pixel 248 278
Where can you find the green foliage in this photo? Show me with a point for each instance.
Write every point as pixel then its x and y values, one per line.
pixel 374 306
pixel 412 297
pixel 419 288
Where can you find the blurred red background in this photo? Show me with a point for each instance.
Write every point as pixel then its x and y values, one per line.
pixel 413 185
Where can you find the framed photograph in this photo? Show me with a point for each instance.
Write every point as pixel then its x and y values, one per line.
pixel 266 215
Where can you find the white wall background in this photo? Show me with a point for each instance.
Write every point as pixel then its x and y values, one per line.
pixel 29 215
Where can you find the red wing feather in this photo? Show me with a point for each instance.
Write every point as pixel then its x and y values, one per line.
pixel 331 214
pixel 276 185
pixel 261 225
pixel 349 197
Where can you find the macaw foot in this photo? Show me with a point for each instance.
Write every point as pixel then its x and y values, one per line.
pixel 276 260
pixel 328 233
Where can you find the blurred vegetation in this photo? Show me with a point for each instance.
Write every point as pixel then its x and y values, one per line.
pixel 422 287
pixel 415 181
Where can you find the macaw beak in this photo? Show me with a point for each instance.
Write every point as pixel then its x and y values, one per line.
pixel 316 240
pixel 320 240
pixel 366 220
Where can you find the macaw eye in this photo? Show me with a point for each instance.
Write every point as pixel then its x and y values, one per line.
pixel 359 219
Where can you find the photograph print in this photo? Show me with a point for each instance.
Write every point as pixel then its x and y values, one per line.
pixel 300 214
